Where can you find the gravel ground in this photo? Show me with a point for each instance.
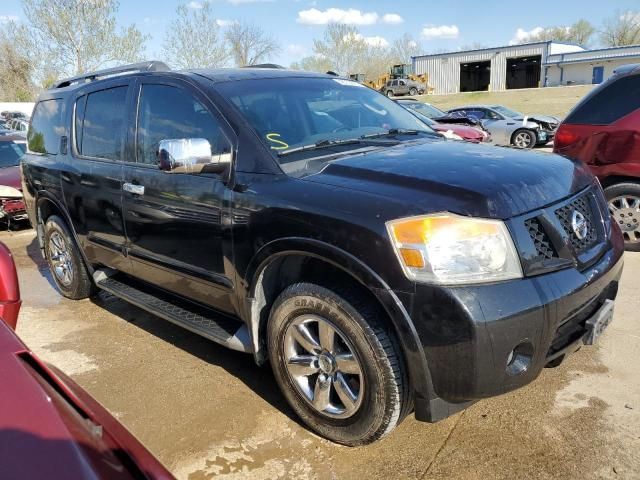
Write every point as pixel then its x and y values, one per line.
pixel 206 411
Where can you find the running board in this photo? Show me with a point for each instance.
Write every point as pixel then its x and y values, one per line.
pixel 225 331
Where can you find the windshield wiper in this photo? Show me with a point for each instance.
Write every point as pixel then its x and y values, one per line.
pixel 324 144
pixel 395 131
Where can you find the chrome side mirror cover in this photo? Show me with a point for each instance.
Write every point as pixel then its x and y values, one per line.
pixel 190 155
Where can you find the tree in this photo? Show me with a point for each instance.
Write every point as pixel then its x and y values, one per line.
pixel 75 36
pixel 621 29
pixel 313 63
pixel 194 40
pixel 405 47
pixel 250 44
pixel 15 70
pixel 343 48
pixel 579 33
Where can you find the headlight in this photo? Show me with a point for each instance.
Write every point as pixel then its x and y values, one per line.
pixel 451 135
pixel 9 192
pixel 449 249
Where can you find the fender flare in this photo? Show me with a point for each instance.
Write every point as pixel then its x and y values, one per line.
pixel 42 197
pixel 401 322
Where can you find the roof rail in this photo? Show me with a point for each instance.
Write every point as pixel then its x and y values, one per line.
pixel 152 66
pixel 264 65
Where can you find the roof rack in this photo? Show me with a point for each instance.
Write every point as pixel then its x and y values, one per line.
pixel 152 66
pixel 265 65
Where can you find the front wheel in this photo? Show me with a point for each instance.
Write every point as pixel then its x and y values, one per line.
pixel 523 139
pixel 390 93
pixel 624 205
pixel 336 364
pixel 413 91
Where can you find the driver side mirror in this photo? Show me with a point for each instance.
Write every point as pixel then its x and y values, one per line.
pixel 190 155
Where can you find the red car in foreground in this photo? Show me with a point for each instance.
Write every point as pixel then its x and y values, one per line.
pixel 49 427
pixel 453 131
pixel 603 131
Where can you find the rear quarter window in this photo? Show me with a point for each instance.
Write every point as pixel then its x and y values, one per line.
pixel 614 101
pixel 46 127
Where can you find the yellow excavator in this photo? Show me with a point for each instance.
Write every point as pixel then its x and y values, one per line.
pixel 398 71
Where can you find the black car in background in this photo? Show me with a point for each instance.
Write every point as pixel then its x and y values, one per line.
pixel 312 222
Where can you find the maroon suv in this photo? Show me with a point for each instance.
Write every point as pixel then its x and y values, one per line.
pixel 603 130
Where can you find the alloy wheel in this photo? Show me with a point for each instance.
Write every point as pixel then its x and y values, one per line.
pixel 522 140
pixel 323 366
pixel 625 210
pixel 61 260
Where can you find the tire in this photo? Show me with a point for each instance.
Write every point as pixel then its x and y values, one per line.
pixel 65 261
pixel 380 389
pixel 624 205
pixel 389 93
pixel 413 91
pixel 523 138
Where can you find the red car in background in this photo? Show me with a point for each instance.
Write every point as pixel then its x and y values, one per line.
pixel 12 208
pixel 49 427
pixel 603 131
pixel 452 131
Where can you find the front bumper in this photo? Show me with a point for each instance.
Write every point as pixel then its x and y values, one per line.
pixel 469 333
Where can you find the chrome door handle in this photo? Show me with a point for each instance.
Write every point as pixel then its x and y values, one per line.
pixel 131 188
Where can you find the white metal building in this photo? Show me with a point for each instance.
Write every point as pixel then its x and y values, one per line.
pixel 587 66
pixel 500 68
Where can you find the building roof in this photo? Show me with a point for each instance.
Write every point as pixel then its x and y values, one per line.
pixel 599 54
pixel 503 47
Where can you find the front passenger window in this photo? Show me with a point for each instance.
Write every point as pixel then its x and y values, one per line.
pixel 170 113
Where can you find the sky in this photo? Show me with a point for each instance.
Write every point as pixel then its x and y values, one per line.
pixel 439 26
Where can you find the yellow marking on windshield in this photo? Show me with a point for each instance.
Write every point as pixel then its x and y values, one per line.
pixel 280 144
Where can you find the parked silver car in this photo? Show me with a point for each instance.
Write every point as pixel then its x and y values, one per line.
pixel 509 127
pixel 403 86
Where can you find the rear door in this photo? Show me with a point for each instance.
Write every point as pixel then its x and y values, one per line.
pixel 174 221
pixel 92 180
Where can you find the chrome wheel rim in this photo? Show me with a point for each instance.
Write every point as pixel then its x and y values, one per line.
pixel 323 366
pixel 522 140
pixel 625 211
pixel 61 261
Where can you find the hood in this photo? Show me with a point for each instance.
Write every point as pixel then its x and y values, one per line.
pixel 462 130
pixel 10 177
pixel 541 118
pixel 459 177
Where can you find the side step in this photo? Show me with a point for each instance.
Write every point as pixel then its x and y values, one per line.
pixel 225 331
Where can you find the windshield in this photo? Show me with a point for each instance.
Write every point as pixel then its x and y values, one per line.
pixel 291 113
pixel 10 153
pixel 507 112
pixel 426 110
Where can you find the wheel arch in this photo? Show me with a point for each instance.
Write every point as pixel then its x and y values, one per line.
pixel 265 279
pixel 611 180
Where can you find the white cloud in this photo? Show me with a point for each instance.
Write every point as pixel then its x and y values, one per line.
pixel 194 5
pixel 313 16
pixel 392 19
pixel 296 50
pixel 221 22
pixel 8 18
pixel 440 31
pixel 632 16
pixel 522 35
pixel 239 2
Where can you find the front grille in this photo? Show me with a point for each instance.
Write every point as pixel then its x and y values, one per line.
pixel 542 243
pixel 581 204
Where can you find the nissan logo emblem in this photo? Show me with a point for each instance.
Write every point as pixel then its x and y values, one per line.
pixel 579 225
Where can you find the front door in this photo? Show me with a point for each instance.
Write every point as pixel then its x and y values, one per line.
pixel 92 181
pixel 174 221
pixel 598 75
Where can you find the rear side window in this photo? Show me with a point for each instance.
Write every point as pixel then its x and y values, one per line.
pixel 46 127
pixel 609 104
pixel 101 132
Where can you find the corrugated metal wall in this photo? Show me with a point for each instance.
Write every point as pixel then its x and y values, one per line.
pixel 444 69
pixel 633 50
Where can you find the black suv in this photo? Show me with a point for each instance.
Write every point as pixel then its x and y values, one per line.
pixel 312 222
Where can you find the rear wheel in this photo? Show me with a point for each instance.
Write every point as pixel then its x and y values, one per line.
pixel 336 364
pixel 65 262
pixel 523 139
pixel 624 205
